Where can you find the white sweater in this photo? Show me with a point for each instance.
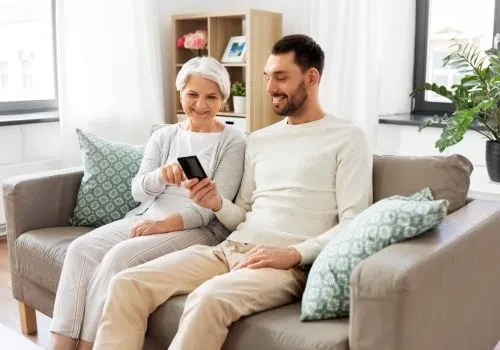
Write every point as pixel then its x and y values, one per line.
pixel 299 183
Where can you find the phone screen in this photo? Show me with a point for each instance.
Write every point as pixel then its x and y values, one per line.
pixel 192 167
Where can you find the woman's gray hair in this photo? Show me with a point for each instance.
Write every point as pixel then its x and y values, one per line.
pixel 208 68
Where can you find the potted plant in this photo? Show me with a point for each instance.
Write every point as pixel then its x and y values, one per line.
pixel 476 100
pixel 238 90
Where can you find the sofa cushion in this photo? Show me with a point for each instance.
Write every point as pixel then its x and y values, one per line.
pixel 43 253
pixel 105 193
pixel 448 177
pixel 384 223
pixel 276 329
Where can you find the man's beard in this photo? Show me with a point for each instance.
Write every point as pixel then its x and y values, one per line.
pixel 294 102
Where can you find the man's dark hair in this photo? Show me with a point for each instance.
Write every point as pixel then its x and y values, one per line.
pixel 307 52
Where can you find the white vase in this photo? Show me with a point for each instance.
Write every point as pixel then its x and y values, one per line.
pixel 239 104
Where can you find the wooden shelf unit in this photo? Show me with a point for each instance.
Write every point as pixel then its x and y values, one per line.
pixel 262 29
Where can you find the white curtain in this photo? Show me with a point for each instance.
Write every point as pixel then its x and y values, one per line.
pixel 353 35
pixel 109 70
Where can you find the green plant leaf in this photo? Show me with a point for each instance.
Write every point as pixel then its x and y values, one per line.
pixel 476 97
pixel 238 89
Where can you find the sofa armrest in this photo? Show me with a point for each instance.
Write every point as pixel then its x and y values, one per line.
pixel 40 200
pixel 437 291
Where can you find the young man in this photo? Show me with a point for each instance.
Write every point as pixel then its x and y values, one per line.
pixel 304 178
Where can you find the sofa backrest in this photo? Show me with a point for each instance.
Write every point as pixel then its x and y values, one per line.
pixel 448 177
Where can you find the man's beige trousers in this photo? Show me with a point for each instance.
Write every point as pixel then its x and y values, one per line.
pixel 219 295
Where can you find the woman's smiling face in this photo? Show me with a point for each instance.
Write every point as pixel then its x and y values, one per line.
pixel 201 98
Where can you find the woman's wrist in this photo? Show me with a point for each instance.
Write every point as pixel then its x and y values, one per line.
pixel 172 223
pixel 218 206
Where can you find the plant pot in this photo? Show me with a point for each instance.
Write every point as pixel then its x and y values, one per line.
pixel 493 160
pixel 239 104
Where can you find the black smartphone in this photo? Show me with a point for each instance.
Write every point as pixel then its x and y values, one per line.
pixel 192 167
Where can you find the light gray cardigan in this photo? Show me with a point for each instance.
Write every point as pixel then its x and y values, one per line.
pixel 226 170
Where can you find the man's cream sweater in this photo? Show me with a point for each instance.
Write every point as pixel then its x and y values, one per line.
pixel 301 184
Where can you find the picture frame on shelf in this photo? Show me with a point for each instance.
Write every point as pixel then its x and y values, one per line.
pixel 236 49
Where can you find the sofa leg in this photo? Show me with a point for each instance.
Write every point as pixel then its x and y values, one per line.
pixel 28 318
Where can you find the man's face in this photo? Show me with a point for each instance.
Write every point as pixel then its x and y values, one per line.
pixel 285 84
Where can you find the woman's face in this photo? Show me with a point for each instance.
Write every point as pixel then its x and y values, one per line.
pixel 201 98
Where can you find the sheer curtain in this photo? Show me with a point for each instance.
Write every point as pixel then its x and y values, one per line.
pixel 109 70
pixel 353 35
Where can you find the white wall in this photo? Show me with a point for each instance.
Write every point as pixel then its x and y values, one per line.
pixel 406 140
pixel 26 149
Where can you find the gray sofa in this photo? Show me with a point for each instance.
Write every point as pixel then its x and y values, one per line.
pixel 438 291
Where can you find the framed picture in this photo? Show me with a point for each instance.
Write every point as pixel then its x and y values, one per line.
pixel 235 50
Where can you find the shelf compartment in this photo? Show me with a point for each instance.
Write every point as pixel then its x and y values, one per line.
pixel 186 26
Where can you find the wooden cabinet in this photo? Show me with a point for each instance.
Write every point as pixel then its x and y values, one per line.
pixel 262 29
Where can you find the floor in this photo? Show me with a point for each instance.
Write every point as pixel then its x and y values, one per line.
pixel 9 315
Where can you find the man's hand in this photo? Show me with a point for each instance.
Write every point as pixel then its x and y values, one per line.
pixel 276 258
pixel 147 227
pixel 172 174
pixel 204 193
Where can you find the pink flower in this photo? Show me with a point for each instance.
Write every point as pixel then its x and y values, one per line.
pixel 193 41
pixel 188 41
pixel 180 42
pixel 203 33
pixel 198 43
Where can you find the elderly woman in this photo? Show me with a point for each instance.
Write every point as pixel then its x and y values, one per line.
pixel 167 219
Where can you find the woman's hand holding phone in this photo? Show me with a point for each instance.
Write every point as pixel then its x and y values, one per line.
pixel 172 174
pixel 204 193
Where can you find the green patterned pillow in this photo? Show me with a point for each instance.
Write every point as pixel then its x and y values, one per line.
pixel 105 193
pixel 388 221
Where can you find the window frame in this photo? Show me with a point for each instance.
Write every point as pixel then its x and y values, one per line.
pixel 420 105
pixel 13 108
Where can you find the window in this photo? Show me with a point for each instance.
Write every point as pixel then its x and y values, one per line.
pixel 437 22
pixel 27 56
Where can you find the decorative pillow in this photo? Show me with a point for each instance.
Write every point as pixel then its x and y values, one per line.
pixel 105 193
pixel 388 221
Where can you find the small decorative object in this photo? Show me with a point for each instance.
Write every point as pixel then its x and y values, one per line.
pixel 197 42
pixel 476 99
pixel 239 92
pixel 235 50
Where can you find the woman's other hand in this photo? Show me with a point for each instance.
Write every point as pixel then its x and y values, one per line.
pixel 147 227
pixel 172 174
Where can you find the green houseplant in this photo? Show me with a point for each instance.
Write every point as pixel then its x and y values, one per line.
pixel 239 92
pixel 476 99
